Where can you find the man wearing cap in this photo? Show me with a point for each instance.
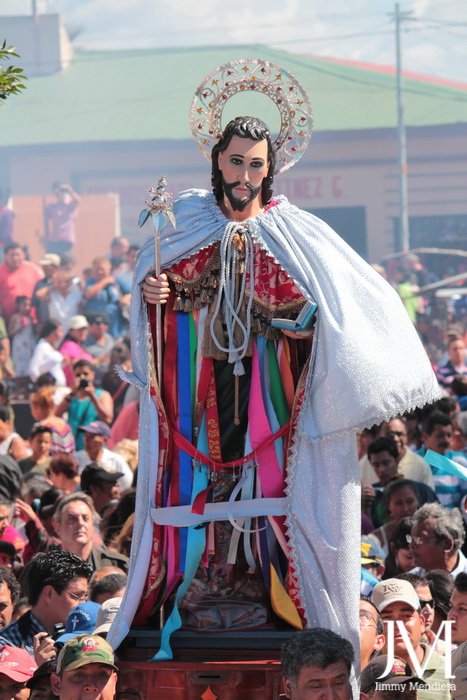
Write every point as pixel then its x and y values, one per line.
pixel 106 615
pixel 85 665
pixel 80 620
pixel 39 684
pixel 96 435
pixel 50 263
pixel 397 601
pixel 372 564
pixel 399 681
pixel 16 668
pixel 75 518
pixel 99 483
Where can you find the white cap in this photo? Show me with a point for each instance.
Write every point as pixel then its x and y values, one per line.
pixel 106 615
pixel 394 590
pixel 78 322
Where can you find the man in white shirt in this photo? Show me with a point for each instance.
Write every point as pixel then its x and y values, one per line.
pixel 410 465
pixel 96 435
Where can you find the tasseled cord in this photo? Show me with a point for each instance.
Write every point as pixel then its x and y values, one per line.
pixel 230 306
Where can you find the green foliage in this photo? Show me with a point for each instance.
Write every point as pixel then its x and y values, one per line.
pixel 11 77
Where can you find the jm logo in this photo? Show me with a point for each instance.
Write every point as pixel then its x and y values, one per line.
pixel 417 668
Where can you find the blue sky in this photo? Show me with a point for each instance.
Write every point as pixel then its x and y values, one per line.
pixel 434 39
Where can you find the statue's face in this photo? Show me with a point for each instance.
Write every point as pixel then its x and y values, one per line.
pixel 243 165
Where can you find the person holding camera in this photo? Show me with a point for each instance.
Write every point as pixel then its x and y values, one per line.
pixel 56 582
pixel 60 220
pixel 85 403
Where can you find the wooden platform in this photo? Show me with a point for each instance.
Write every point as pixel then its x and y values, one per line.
pixel 226 666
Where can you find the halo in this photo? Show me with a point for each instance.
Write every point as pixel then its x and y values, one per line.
pixel 264 78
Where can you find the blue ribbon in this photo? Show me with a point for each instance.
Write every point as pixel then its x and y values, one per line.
pixel 196 543
pixel 446 464
pixel 185 420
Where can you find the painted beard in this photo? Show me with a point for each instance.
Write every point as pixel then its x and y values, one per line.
pixel 239 204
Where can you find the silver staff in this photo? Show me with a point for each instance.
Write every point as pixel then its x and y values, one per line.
pixel 158 208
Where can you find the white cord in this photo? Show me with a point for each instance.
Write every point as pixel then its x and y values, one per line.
pixel 226 296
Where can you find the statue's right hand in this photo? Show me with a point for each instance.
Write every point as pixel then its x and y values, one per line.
pixel 156 289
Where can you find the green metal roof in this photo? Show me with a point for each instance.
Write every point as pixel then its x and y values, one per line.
pixel 141 95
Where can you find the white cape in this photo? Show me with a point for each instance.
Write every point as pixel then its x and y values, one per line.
pixel 367 365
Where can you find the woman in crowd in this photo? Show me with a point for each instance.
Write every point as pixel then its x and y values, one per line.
pixel 46 357
pixel 64 472
pixel 43 411
pixel 10 442
pixel 72 347
pixel 23 341
pixel 103 294
pixel 401 501
pixel 85 403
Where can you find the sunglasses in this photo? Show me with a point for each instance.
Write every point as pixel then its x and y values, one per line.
pixel 430 603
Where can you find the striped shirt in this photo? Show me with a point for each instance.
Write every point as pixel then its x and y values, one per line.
pixel 450 489
pixel 21 632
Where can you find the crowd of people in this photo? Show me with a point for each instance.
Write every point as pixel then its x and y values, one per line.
pixel 67 491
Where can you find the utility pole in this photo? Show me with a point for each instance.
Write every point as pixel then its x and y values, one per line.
pixel 404 238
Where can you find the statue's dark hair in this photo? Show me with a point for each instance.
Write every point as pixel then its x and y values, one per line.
pixel 247 128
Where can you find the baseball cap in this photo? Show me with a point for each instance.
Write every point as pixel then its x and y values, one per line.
pixel 94 472
pixel 460 682
pixel 97 317
pixel 77 322
pixel 50 259
pixel 85 649
pixel 399 673
pixel 81 619
pixel 45 670
pixel 394 590
pixel 98 427
pixel 16 663
pixel 106 615
pixel 371 552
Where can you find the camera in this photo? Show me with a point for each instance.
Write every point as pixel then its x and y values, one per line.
pixel 83 383
pixel 59 629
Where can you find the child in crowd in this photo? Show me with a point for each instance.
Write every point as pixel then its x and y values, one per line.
pixel 21 332
pixel 40 442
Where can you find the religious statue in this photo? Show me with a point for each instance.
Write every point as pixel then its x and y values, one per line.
pixel 248 487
